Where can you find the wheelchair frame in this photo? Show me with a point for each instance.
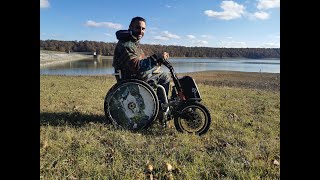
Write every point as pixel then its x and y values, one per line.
pixel 185 94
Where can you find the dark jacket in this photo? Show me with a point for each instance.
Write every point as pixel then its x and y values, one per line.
pixel 130 58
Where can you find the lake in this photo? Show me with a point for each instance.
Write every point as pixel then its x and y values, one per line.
pixel 181 65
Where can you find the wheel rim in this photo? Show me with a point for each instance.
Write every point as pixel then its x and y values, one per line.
pixel 132 105
pixel 194 119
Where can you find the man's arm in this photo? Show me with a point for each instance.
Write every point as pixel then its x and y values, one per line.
pixel 136 65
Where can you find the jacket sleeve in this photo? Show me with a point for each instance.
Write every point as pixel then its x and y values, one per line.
pixel 137 65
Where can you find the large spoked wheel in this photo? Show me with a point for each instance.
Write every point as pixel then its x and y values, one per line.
pixel 193 118
pixel 131 104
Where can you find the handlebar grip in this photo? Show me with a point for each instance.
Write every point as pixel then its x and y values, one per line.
pixel 167 64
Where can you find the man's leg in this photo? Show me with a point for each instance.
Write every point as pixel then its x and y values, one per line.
pixel 163 79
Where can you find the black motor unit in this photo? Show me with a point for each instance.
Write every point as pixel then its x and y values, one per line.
pixel 189 87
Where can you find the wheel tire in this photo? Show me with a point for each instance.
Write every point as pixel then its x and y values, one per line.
pixel 187 119
pixel 131 104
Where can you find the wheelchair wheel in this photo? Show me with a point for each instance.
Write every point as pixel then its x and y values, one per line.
pixel 193 118
pixel 131 104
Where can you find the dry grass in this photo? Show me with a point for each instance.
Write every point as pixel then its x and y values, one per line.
pixel 242 142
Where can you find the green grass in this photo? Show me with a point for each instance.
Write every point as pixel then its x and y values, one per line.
pixel 75 143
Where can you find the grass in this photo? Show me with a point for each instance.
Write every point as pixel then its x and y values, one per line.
pixel 242 142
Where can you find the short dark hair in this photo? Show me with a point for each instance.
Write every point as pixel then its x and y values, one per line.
pixel 137 19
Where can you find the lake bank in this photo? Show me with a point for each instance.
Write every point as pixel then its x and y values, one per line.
pixel 48 58
pixel 232 79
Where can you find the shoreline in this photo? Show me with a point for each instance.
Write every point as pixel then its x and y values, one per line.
pixel 48 58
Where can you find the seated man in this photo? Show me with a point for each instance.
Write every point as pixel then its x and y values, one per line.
pixel 130 58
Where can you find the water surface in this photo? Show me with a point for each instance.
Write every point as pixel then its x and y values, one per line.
pixel 182 65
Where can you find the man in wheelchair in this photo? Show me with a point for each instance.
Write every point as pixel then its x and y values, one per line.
pixel 140 95
pixel 129 59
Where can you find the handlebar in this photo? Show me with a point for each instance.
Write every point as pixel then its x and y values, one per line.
pixel 166 63
pixel 174 77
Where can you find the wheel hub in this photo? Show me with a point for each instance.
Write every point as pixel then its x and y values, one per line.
pixel 131 106
pixel 193 120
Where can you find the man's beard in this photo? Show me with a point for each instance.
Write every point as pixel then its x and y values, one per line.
pixel 137 35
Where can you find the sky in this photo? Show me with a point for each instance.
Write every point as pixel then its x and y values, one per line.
pixel 190 23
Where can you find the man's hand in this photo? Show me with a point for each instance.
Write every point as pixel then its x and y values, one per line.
pixel 163 55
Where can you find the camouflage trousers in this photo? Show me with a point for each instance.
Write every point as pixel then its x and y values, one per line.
pixel 161 78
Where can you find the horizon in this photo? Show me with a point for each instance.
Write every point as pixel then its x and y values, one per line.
pixel 172 45
pixel 214 24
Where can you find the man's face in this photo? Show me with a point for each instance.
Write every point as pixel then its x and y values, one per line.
pixel 138 28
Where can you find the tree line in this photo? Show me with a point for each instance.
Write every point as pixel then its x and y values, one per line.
pixel 107 49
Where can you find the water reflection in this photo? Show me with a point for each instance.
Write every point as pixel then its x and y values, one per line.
pixel 104 66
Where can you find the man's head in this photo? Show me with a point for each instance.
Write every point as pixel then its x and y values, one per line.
pixel 138 27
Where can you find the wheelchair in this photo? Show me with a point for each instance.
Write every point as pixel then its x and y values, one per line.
pixel 134 104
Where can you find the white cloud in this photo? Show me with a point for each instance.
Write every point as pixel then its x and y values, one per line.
pixel 50 35
pixel 232 44
pixel 190 36
pixel 271 45
pixel 111 25
pixel 108 34
pixel 161 38
pixel 231 10
pixel 268 4
pixel 273 41
pixel 166 35
pixel 261 15
pixel 200 43
pixel 44 4
pixel 170 35
pixel 207 36
pixel 274 36
pixel 152 30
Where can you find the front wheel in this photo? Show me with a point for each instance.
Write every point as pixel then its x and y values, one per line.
pixel 193 118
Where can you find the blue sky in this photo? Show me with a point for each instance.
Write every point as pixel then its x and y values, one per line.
pixel 202 23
